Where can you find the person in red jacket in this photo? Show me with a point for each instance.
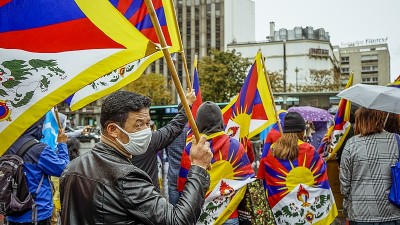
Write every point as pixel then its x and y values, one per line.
pixel 295 178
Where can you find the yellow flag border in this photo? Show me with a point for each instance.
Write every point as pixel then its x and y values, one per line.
pixel 232 206
pixel 90 74
pixel 176 47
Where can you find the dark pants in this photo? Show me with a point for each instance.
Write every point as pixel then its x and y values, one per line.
pixel 42 222
pixel 396 222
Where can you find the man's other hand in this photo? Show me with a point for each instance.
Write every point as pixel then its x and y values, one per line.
pixel 191 97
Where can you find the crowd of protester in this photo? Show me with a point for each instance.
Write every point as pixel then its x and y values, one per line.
pixel 117 181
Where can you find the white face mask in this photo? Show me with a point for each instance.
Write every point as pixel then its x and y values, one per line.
pixel 138 141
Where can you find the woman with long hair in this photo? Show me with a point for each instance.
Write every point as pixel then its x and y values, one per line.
pixel 365 176
pixel 295 178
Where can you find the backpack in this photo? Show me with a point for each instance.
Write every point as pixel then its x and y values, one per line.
pixel 15 198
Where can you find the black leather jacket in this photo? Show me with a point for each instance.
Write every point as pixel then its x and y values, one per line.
pixel 103 187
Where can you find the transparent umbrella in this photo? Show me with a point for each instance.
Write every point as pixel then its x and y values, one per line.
pixel 374 97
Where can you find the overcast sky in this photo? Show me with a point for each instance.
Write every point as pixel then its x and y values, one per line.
pixel 345 20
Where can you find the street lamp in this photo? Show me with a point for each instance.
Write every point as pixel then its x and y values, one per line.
pixel 284 66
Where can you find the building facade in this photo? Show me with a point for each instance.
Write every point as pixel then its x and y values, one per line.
pixel 369 61
pixel 296 54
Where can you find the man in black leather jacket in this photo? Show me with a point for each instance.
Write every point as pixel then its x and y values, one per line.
pixel 103 187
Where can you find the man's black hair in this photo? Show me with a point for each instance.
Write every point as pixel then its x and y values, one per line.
pixel 116 106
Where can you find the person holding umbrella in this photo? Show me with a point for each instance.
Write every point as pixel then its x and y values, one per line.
pixel 364 174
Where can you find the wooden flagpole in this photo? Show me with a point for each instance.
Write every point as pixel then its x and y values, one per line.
pixel 57 117
pixel 188 83
pixel 270 93
pixel 171 67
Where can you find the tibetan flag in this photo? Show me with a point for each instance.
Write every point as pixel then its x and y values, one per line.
pixel 231 170
pixel 136 13
pixel 338 131
pixel 51 49
pixel 252 110
pixel 274 134
pixel 395 83
pixel 298 190
pixel 199 100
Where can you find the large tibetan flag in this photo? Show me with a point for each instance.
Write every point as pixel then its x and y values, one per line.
pixel 231 171
pixel 199 99
pixel 51 49
pixel 298 190
pixel 395 83
pixel 338 131
pixel 136 13
pixel 252 110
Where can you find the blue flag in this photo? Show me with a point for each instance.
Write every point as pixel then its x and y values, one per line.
pixel 50 130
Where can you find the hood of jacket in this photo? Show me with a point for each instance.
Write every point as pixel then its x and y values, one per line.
pixel 209 118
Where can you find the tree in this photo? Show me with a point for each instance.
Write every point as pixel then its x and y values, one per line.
pixel 322 80
pixel 276 81
pixel 222 74
pixel 154 86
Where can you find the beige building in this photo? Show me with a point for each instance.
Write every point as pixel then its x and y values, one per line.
pixel 369 60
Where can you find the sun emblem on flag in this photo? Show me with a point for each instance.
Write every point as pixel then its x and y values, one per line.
pixel 298 175
pixel 241 117
pixel 5 111
pixel 227 166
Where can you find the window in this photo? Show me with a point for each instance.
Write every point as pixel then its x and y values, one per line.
pixel 364 68
pixel 369 57
pixel 283 34
pixel 345 70
pixel 298 33
pixel 345 59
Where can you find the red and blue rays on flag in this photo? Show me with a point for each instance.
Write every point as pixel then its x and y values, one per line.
pixel 66 27
pixel 248 102
pixel 230 161
pixel 252 110
pixel 281 176
pixel 198 102
pixel 395 83
pixel 136 12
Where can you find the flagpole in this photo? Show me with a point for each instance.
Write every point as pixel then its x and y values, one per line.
pixel 57 117
pixel 270 94
pixel 188 83
pixel 171 67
